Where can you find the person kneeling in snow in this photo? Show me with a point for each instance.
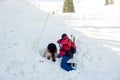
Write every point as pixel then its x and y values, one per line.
pixel 66 53
pixel 51 52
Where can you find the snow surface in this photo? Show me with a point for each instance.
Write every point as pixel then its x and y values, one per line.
pixel 28 26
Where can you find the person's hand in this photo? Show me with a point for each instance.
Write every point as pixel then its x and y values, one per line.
pixel 58 56
pixel 60 45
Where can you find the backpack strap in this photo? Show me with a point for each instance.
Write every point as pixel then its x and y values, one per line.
pixel 69 43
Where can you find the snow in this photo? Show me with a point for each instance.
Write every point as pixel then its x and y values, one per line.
pixel 28 26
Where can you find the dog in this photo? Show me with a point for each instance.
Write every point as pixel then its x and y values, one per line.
pixel 51 52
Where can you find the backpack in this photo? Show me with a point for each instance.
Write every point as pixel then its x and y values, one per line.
pixel 72 46
pixel 72 50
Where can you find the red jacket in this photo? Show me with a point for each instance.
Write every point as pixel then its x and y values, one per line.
pixel 63 45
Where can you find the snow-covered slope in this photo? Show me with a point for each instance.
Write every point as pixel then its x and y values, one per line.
pixel 26 30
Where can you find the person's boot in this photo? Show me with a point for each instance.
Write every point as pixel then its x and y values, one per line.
pixel 74 65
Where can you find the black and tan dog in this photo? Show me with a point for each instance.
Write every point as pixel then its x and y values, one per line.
pixel 51 52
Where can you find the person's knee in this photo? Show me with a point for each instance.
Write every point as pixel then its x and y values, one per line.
pixel 65 67
pixel 62 65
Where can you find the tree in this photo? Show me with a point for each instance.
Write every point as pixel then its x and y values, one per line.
pixel 68 6
pixel 109 2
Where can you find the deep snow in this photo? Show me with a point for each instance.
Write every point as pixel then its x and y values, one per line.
pixel 25 33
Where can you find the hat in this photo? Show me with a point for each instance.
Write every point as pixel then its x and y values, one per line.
pixel 63 35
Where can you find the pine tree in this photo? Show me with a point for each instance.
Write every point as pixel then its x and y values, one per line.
pixel 68 6
pixel 108 2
